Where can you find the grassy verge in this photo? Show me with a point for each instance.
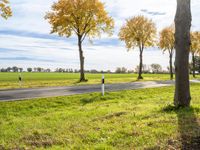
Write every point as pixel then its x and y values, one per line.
pixel 135 119
pixel 10 80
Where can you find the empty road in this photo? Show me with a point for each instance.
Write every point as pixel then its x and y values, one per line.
pixel 23 94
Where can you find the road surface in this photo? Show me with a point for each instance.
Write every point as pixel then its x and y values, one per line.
pixel 25 94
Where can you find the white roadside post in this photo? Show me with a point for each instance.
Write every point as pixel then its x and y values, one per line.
pixel 103 86
pixel 20 80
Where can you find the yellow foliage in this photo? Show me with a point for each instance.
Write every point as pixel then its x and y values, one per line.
pixel 82 17
pixel 5 10
pixel 139 32
pixel 167 39
pixel 195 42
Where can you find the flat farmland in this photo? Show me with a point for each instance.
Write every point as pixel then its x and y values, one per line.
pixel 31 80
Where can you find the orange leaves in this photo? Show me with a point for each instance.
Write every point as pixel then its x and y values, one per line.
pixel 5 10
pixel 167 39
pixel 82 17
pixel 195 42
pixel 138 31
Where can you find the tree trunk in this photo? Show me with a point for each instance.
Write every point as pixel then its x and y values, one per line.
pixel 140 66
pixel 193 65
pixel 171 66
pixel 82 74
pixel 182 45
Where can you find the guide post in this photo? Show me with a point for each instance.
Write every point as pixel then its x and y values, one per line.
pixel 20 80
pixel 103 85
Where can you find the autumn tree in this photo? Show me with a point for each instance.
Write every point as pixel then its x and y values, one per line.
pixel 5 10
pixel 166 43
pixel 183 20
pixel 84 18
pixel 194 48
pixel 138 32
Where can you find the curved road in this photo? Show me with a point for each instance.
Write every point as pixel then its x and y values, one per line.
pixel 23 94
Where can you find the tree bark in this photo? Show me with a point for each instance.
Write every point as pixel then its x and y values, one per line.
pixel 171 66
pixel 82 74
pixel 193 65
pixel 140 65
pixel 182 45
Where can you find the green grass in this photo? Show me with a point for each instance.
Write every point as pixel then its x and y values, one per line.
pixel 135 119
pixel 10 80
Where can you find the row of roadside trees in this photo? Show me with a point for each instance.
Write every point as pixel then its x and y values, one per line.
pixel 91 20
pixel 167 43
pixel 141 32
pixel 88 18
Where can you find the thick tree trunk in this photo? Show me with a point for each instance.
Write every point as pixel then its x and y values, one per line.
pixel 82 74
pixel 182 44
pixel 193 65
pixel 171 66
pixel 140 66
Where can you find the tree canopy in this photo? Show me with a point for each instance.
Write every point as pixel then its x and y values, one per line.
pixel 138 31
pixel 5 10
pixel 82 17
pixel 167 39
pixel 195 42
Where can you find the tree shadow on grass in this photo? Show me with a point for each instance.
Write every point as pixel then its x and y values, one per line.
pixel 78 81
pixel 188 127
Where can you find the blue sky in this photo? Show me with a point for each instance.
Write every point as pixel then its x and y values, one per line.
pixel 25 40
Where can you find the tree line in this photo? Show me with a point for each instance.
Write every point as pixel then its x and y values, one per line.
pixel 147 69
pixel 153 68
pixel 18 69
pixel 38 69
pixel 156 68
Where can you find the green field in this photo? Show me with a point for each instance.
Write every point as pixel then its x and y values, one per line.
pixel 10 80
pixel 135 119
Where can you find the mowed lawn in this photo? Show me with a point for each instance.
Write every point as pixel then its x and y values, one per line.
pixel 10 80
pixel 134 119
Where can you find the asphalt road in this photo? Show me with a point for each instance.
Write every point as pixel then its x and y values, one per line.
pixel 23 94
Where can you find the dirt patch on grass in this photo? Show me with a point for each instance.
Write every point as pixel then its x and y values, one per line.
pixel 191 143
pixel 110 116
pixel 39 140
pixel 2 147
pixel 184 143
